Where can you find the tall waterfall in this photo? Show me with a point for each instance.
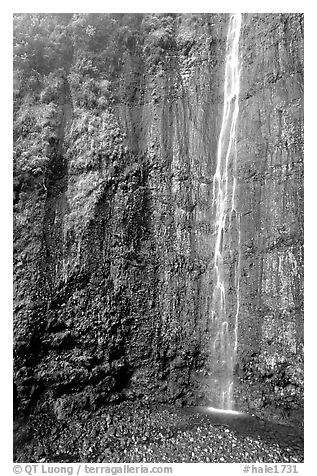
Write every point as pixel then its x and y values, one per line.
pixel 225 309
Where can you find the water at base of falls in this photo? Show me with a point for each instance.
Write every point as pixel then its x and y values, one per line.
pixel 222 411
pixel 224 322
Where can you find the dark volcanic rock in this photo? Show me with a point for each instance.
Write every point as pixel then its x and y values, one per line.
pixel 155 435
pixel 271 204
pixel 116 151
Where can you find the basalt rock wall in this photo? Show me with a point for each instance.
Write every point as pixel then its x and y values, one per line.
pixel 271 205
pixel 114 228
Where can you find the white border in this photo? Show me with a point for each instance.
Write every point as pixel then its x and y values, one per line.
pixel 310 184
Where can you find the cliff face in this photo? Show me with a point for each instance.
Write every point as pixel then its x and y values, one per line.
pixel 114 228
pixel 271 205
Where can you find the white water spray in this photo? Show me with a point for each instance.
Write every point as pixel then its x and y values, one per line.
pixel 223 412
pixel 227 226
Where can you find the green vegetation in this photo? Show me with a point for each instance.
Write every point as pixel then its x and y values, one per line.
pixel 67 70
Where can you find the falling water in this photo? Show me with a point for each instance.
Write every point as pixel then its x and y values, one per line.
pixel 225 313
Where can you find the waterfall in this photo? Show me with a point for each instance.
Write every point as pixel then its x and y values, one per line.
pixel 225 311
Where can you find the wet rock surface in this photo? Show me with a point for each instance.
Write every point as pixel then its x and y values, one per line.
pixel 130 433
pixel 114 229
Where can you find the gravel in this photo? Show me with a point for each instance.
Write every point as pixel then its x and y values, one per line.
pixel 129 433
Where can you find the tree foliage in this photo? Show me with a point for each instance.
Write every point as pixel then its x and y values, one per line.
pixel 84 54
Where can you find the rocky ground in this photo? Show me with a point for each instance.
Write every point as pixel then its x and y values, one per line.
pixel 130 433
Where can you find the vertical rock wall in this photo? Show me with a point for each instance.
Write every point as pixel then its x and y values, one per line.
pixel 271 206
pixel 114 262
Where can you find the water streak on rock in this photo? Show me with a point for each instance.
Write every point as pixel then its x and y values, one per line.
pixel 225 327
